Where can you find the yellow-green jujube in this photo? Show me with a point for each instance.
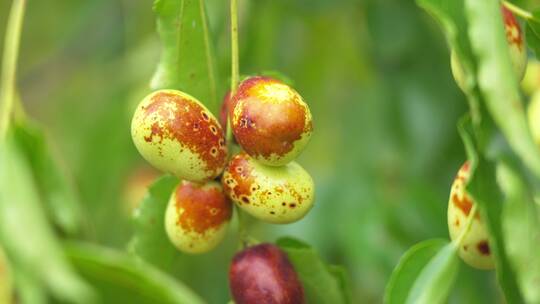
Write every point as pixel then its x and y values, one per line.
pixel 531 81
pixel 278 195
pixel 533 113
pixel 474 248
pixel 197 216
pixel 177 134
pixel 516 48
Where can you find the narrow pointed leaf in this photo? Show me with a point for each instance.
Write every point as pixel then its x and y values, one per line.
pixel 150 242
pixel 121 279
pixel 187 60
pixel 409 268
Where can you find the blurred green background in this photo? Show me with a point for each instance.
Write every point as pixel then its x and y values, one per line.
pixel 374 72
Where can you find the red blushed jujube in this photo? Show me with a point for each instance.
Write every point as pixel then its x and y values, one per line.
pixel 263 274
pixel 270 120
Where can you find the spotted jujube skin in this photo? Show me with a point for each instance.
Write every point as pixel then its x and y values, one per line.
pixel 516 42
pixel 278 195
pixel 516 48
pixel 263 274
pixel 270 120
pixel 475 249
pixel 175 133
pixel 197 216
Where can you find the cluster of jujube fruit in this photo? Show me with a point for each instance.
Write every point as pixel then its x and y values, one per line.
pixel 272 124
pixel 177 134
pixel 474 248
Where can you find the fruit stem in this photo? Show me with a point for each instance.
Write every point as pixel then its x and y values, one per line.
pixel 9 64
pixel 234 47
pixel 519 11
pixel 458 242
pixel 242 231
pixel 235 66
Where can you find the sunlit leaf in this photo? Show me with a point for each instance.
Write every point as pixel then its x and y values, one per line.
pixel 498 86
pixel 187 60
pixel 26 235
pixel 485 191
pixel 150 242
pixel 521 231
pixel 29 289
pixel 434 282
pixel 57 192
pixel 319 282
pixel 409 268
pixel 120 278
pixel 6 280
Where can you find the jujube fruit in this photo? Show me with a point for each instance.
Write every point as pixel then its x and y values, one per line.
pixel 531 81
pixel 276 195
pixel 175 133
pixel 516 48
pixel 270 120
pixel 197 216
pixel 263 274
pixel 474 249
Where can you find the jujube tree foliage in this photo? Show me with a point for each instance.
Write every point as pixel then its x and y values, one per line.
pixel 492 215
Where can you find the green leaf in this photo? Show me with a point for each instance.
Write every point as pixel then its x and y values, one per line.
pixel 434 282
pixel 408 269
pixel 54 187
pixel 451 16
pixel 150 242
pixel 340 274
pixel 6 281
pixel 29 289
pixel 187 60
pixel 319 282
pixel 121 279
pixel 499 89
pixel 521 231
pixel 486 193
pixel 25 233
pixel 533 37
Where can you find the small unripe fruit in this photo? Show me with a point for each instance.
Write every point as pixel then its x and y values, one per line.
pixel 197 216
pixel 177 134
pixel 263 274
pixel 516 48
pixel 278 195
pixel 533 112
pixel 475 249
pixel 270 120
pixel 6 283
